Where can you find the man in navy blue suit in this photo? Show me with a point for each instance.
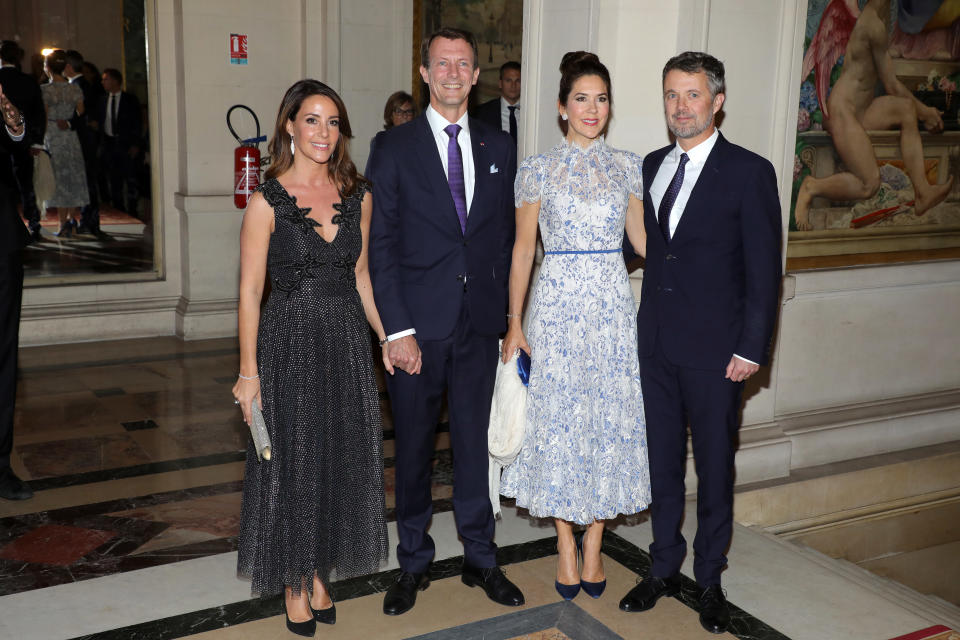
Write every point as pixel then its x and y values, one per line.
pixel 707 311
pixel 440 244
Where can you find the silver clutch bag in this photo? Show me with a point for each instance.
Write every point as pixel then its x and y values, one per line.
pixel 258 430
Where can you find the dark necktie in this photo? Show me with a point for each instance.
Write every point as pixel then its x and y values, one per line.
pixel 455 175
pixel 113 114
pixel 513 121
pixel 670 197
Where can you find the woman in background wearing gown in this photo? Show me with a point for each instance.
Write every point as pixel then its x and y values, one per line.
pixel 317 506
pixel 584 455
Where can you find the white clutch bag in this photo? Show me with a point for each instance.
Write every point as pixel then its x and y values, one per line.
pixel 508 412
pixel 258 430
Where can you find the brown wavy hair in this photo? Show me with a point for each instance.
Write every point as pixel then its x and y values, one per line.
pixel 396 100
pixel 341 167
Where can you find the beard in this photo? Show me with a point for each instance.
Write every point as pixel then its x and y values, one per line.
pixel 691 130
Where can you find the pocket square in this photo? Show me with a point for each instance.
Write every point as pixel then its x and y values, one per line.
pixel 494 169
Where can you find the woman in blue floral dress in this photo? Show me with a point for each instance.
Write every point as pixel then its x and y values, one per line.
pixel 584 456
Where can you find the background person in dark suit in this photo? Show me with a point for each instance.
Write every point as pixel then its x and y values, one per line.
pixel 504 112
pixel 121 127
pixel 707 312
pixel 13 238
pixel 440 242
pixel 24 92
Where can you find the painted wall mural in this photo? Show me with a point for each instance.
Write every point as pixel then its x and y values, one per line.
pixel 878 136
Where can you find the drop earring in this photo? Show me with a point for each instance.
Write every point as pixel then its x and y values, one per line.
pixel 292 148
pixel 563 116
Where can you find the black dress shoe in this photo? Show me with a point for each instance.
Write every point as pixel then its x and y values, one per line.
pixel 714 614
pixel 402 594
pixel 325 616
pixel 494 583
pixel 36 235
pixel 645 595
pixel 12 487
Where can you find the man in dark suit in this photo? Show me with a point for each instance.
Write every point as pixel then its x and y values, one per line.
pixel 23 91
pixel 440 242
pixel 120 125
pixel 13 238
pixel 503 112
pixel 707 312
pixel 89 139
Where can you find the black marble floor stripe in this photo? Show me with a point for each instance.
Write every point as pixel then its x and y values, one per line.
pixel 259 608
pixel 158 357
pixel 148 468
pixel 68 515
pixel 742 625
pixel 163 466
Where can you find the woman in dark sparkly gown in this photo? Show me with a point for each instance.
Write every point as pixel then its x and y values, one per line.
pixel 315 508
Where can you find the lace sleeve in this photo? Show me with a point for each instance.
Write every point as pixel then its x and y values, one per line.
pixel 527 187
pixel 633 166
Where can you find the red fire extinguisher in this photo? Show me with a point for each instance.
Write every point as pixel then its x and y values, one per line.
pixel 246 161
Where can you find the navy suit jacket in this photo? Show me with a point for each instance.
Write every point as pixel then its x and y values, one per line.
pixel 418 254
pixel 713 291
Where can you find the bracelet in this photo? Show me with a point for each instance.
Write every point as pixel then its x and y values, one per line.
pixel 384 341
pixel 243 377
pixel 513 315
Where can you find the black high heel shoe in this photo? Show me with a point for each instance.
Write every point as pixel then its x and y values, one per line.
pixel 307 628
pixel 66 230
pixel 566 591
pixel 592 589
pixel 325 616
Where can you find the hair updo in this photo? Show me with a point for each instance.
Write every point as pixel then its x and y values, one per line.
pixel 575 65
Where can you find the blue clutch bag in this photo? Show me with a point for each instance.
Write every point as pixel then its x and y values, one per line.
pixel 523 367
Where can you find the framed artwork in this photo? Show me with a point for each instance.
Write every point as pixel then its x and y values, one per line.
pixel 875 176
pixel 496 24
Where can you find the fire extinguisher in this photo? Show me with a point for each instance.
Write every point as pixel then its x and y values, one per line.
pixel 246 161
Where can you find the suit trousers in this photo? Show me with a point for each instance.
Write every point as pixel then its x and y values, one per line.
pixel 464 364
pixel 121 175
pixel 23 172
pixel 674 396
pixel 11 293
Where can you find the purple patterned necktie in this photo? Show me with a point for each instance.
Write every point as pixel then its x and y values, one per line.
pixel 455 175
pixel 670 197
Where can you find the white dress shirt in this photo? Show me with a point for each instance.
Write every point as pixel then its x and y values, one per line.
pixel 505 115
pixel 691 173
pixel 437 125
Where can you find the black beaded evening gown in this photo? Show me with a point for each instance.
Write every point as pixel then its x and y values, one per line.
pixel 318 504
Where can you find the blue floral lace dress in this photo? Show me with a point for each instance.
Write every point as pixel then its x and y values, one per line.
pixel 584 455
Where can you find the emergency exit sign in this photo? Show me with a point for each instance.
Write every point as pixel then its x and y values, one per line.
pixel 238 48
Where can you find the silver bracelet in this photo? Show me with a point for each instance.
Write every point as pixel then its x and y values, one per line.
pixel 513 315
pixel 243 377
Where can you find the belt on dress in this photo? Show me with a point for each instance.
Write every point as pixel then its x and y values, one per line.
pixel 554 253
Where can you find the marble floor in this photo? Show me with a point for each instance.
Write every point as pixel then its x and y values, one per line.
pixel 135 451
